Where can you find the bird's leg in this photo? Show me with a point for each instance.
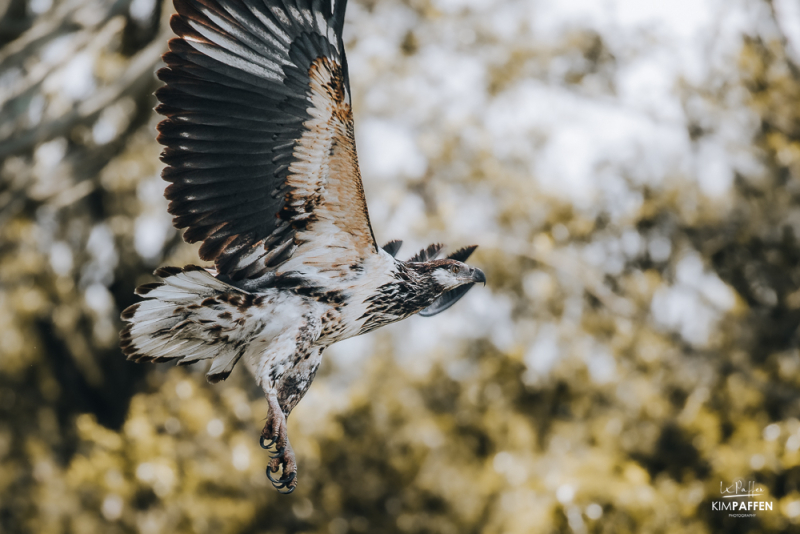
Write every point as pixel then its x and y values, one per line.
pixel 274 433
pixel 275 436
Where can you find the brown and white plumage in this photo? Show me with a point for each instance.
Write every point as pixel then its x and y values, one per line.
pixel 262 166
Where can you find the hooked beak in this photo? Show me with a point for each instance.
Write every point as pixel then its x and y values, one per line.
pixel 478 276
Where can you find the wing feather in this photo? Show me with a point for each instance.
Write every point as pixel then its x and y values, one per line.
pixel 259 136
pixel 427 254
pixel 393 247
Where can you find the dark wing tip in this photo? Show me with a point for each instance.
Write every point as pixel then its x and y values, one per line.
pixel 338 16
pixel 462 254
pixel 427 254
pixel 393 247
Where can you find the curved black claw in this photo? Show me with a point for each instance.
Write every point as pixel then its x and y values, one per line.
pixel 278 452
pixel 289 489
pixel 268 444
pixel 281 483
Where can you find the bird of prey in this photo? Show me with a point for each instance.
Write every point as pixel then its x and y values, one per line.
pixel 261 160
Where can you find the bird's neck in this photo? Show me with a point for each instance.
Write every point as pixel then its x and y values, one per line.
pixel 416 284
pixel 413 286
pixel 408 290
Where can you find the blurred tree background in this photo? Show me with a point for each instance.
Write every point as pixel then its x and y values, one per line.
pixel 631 172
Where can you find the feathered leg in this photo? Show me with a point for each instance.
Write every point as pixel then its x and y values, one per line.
pixel 275 436
pixel 284 368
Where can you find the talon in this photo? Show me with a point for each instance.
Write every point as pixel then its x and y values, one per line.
pixel 281 483
pixel 274 481
pixel 288 491
pixel 279 486
pixel 286 484
pixel 271 442
pixel 272 466
pixel 278 453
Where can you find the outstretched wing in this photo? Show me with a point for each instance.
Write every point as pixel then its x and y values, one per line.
pixel 259 139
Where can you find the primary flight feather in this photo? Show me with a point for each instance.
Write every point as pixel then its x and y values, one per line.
pixel 261 159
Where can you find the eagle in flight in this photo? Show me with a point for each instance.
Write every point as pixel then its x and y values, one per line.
pixel 261 160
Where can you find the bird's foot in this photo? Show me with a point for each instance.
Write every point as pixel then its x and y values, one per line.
pixel 285 463
pixel 275 438
pixel 275 435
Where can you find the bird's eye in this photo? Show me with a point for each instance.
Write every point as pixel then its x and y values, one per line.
pixel 454 269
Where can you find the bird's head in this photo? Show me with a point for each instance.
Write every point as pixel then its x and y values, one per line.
pixel 444 282
pixel 450 274
pixel 438 283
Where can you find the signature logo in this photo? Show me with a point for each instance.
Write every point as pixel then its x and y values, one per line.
pixel 741 489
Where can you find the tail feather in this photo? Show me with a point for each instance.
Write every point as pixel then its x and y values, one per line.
pixel 189 316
